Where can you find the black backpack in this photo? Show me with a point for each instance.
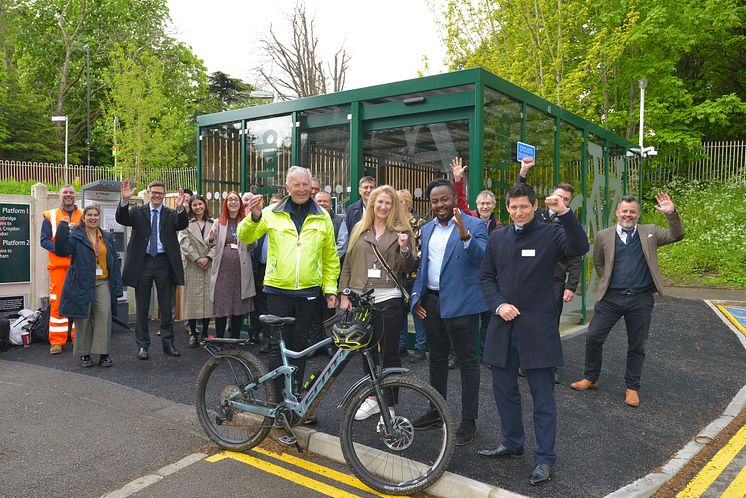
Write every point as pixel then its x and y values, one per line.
pixel 40 329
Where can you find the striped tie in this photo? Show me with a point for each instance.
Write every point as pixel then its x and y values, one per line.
pixel 153 245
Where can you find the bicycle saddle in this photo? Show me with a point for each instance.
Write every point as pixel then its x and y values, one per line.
pixel 277 320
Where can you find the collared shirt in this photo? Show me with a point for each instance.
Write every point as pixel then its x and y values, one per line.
pixel 436 251
pixel 161 249
pixel 622 234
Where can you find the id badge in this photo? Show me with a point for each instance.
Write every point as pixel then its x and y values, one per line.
pixel 374 273
pixel 234 246
pixel 99 272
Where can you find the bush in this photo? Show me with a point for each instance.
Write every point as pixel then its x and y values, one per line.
pixel 713 252
pixel 16 187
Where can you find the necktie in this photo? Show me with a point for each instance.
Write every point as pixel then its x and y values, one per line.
pixel 153 245
pixel 630 232
pixel 518 230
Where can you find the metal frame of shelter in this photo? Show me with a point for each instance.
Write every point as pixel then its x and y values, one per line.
pixel 405 134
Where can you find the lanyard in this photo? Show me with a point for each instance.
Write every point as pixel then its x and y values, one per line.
pixel 95 246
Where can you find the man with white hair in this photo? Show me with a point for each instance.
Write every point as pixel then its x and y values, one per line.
pixel 300 232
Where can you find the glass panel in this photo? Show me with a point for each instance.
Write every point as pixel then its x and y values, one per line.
pixel 326 152
pixel 502 127
pixel 268 154
pixel 540 134
pixel 221 163
pixel 571 150
pixel 439 91
pixel 412 156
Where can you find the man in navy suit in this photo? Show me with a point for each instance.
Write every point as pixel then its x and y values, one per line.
pixel 355 210
pixel 517 279
pixel 153 255
pixel 447 297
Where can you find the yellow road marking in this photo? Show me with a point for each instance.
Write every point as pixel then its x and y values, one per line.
pixel 715 467
pixel 321 470
pixel 737 487
pixel 732 319
pixel 284 473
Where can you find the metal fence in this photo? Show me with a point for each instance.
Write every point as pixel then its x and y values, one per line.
pixel 54 174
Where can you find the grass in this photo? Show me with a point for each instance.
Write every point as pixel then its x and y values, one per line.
pixel 15 187
pixel 713 252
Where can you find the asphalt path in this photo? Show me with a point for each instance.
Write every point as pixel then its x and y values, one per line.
pixel 694 367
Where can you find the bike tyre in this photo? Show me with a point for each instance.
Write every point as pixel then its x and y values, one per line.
pixel 251 368
pixel 376 481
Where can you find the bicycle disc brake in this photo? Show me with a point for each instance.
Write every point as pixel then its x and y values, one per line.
pixel 402 433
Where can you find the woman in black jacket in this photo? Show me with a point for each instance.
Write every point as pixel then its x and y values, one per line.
pixel 92 284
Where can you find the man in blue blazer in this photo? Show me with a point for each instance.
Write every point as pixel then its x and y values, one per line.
pixel 447 297
pixel 354 212
pixel 517 279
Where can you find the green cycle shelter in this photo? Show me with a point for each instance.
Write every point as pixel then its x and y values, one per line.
pixel 405 134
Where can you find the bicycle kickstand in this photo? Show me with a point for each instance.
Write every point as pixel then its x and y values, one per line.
pixel 289 438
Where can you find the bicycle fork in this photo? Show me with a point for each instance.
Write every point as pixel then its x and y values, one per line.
pixel 375 374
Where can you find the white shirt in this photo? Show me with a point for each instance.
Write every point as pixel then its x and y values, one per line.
pixel 622 234
pixel 436 250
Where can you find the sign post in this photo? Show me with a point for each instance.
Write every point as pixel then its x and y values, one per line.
pixel 15 243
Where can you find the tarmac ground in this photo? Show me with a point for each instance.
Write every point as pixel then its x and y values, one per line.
pixel 694 368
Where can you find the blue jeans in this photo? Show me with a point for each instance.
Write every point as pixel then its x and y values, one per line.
pixel 419 328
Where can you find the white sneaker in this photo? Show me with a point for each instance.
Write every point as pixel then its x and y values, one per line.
pixel 368 408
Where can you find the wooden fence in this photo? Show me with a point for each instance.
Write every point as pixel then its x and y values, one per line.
pixel 54 174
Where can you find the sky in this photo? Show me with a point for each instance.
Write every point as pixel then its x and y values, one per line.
pixel 386 39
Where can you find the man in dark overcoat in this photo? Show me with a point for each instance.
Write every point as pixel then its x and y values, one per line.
pixel 153 255
pixel 516 277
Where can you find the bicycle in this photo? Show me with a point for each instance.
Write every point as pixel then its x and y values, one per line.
pixel 237 406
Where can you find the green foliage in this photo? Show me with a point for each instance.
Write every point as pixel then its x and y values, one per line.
pixel 15 187
pixel 713 252
pixel 588 56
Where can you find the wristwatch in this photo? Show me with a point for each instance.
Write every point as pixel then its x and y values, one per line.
pixel 468 236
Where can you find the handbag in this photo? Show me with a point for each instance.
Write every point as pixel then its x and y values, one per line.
pixel 405 295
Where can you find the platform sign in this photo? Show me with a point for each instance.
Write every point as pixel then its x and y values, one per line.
pixel 525 150
pixel 15 243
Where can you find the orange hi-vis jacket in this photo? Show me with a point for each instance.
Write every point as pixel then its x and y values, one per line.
pixel 54 216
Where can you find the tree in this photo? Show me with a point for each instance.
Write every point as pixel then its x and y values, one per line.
pixel 300 70
pixel 587 56
pixel 228 93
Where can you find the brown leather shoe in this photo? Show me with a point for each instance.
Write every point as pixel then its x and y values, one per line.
pixel 584 385
pixel 631 398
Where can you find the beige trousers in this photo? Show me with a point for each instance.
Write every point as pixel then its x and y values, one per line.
pixel 93 334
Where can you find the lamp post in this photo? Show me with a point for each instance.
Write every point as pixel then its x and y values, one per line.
pixel 88 101
pixel 60 119
pixel 643 85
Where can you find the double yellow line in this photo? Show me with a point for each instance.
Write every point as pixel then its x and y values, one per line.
pixel 296 477
pixel 715 467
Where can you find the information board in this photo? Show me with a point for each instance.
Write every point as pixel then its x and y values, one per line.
pixel 15 243
pixel 525 150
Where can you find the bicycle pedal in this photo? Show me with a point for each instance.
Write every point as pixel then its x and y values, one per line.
pixel 287 440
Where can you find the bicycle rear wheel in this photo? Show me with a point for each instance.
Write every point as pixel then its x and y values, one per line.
pixel 407 460
pixel 224 378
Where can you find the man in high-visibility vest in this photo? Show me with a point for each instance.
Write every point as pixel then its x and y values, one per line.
pixel 57 266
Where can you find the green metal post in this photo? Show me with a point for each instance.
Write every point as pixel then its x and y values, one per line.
pixel 243 175
pixel 584 220
pixel 356 149
pixel 295 138
pixel 476 145
pixel 199 161
pixel 557 125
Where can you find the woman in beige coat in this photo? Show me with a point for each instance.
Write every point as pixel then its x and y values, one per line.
pixel 196 302
pixel 232 276
pixel 384 225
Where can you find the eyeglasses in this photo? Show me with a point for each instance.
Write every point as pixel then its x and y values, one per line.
pixel 157 194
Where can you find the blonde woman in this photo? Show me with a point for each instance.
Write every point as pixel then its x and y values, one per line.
pixel 385 226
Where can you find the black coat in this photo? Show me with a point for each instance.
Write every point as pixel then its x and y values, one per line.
pixel 518 269
pixel 138 217
pixel 79 289
pixel 353 214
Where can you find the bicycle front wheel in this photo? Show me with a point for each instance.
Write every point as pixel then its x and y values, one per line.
pixel 223 379
pixel 410 457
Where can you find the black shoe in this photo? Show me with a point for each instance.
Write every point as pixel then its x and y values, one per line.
pixel 142 354
pixel 452 361
pixel 542 473
pixel 85 361
pixel 418 356
pixel 430 420
pixel 265 348
pixel 499 452
pixel 465 432
pixel 521 373
pixel 193 341
pixel 169 350
pixel 105 361
pixel 403 352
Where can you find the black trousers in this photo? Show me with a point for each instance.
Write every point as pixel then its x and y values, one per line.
pixel 387 329
pixel 295 336
pixel 636 310
pixel 462 333
pixel 260 306
pixel 155 269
